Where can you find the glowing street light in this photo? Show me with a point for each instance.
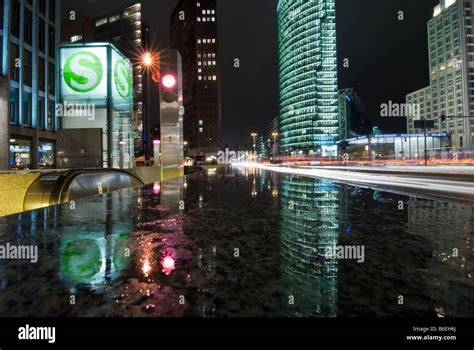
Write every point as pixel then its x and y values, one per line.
pixel 275 135
pixel 147 59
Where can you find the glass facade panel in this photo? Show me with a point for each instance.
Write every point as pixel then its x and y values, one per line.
pixel 20 153
pixel 46 155
pixel 14 105
pixel 27 109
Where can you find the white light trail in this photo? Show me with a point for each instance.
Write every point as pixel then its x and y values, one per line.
pixel 436 186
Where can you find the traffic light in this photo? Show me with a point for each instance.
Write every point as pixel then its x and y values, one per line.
pixel 344 145
pixel 171 115
pixel 444 121
pixel 168 86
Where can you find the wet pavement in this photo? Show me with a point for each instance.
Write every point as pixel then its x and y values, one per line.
pixel 238 243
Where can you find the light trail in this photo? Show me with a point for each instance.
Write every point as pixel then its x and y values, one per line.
pixel 420 185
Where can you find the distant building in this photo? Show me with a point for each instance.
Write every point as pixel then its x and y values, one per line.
pixel 451 57
pixel 77 30
pixel 308 83
pixel 28 122
pixel 423 100
pixel 399 147
pixel 193 32
pixel 125 29
pixel 353 119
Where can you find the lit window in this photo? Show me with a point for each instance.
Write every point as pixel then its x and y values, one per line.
pixel 212 11
pixel 213 19
pixel 76 38
pixel 199 41
pixel 201 122
pixel 213 63
pixel 199 63
pixel 203 12
pixel 199 19
pixel 213 41
pixel 214 77
pixel 198 4
pixel 199 55
pixel 114 18
pixel 201 130
pixel 101 22
pixel 199 70
pixel 200 77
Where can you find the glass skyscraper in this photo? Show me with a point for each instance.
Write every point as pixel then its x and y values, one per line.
pixel 308 82
pixel 29 33
pixel 310 216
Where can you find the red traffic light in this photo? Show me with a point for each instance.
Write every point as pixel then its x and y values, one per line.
pixel 168 81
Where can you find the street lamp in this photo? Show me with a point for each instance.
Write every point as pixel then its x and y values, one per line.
pixel 275 135
pixel 254 137
pixel 185 149
pixel 274 149
pixel 151 67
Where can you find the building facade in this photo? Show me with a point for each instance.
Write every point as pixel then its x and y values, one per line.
pixel 353 119
pixel 451 57
pixel 29 33
pixel 308 83
pixel 422 100
pixel 193 32
pixel 399 147
pixel 77 29
pixel 125 29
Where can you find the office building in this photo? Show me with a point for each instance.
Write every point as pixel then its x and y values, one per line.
pixel 193 32
pixel 451 69
pixel 79 29
pixel 353 119
pixel 422 100
pixel 29 33
pixel 308 83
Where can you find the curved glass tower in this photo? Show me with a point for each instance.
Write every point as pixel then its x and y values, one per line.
pixel 308 86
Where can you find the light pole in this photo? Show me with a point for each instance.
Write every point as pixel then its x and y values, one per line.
pixel 275 136
pixel 150 64
pixel 254 138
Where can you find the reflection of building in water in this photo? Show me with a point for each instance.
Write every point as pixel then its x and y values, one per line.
pixel 449 227
pixel 310 224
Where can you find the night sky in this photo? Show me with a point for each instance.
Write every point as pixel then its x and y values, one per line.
pixel 388 57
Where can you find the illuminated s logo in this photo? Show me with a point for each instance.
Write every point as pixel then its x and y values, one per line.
pixel 122 79
pixel 83 72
